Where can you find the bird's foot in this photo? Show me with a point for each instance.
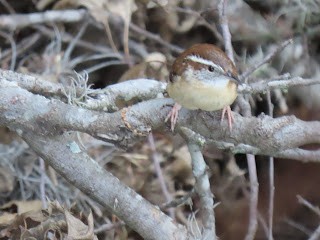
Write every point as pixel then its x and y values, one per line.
pixel 229 115
pixel 173 115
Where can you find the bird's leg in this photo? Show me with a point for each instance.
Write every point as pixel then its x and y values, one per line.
pixel 173 115
pixel 229 115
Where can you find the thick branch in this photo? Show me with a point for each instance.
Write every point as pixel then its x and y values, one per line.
pixel 66 157
pixel 139 89
pixel 20 109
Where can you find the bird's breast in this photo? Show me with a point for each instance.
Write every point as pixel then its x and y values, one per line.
pixel 208 96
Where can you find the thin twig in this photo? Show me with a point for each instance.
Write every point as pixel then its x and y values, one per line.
pixel 254 187
pixel 156 163
pixel 316 234
pixel 265 85
pixel 109 36
pixel 108 227
pixel 298 226
pixel 7 6
pixel 103 65
pixel 43 184
pixel 73 43
pixel 65 37
pixel 155 38
pixel 307 204
pixel 13 49
pixel 271 178
pixel 225 29
pixel 126 40
pixel 14 21
pixel 267 58
pixel 212 28
pixel 22 46
pixel 179 201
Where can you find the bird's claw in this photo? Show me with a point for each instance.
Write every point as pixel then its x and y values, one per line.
pixel 173 115
pixel 229 116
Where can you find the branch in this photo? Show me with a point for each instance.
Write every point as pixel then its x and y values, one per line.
pixel 20 109
pixel 271 84
pixel 115 97
pixel 111 98
pixel 155 38
pixel 66 157
pixel 107 98
pixel 202 185
pixel 267 58
pixel 223 22
pixel 158 170
pixel 253 200
pixel 14 21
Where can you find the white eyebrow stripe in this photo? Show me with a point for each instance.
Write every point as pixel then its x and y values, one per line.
pixel 201 60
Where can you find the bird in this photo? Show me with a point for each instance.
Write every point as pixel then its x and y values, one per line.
pixel 202 77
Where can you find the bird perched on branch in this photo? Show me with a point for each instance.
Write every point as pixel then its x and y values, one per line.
pixel 203 77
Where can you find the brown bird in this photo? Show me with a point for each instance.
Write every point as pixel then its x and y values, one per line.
pixel 203 77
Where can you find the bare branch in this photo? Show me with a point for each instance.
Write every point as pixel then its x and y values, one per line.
pixel 316 234
pixel 202 185
pixel 13 49
pixel 155 38
pixel 106 98
pixel 267 58
pixel 265 85
pixel 14 21
pixel 264 135
pixel 158 170
pixel 65 37
pixel 33 84
pixel 225 29
pixel 111 98
pixel 271 178
pixel 179 201
pixel 66 157
pixel 301 155
pixel 254 193
pixel 309 205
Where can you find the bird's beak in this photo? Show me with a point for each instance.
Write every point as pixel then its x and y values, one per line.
pixel 233 77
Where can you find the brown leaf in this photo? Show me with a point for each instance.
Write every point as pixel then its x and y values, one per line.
pixel 77 230
pixel 153 67
pixel 22 206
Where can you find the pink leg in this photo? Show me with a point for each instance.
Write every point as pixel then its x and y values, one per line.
pixel 229 114
pixel 173 115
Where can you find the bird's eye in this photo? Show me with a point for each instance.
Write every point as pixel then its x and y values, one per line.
pixel 211 69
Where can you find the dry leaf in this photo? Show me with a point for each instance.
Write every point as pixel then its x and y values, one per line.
pixel 154 66
pixel 122 8
pixel 77 230
pixel 22 206
pixel 5 218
